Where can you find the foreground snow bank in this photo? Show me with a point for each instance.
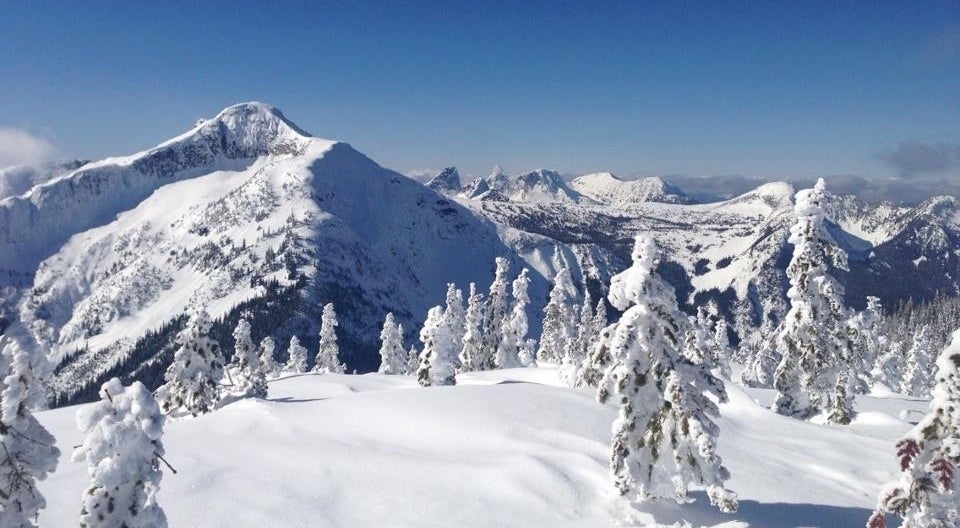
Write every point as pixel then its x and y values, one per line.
pixel 503 448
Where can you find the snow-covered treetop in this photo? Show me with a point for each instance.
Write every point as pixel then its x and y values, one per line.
pixel 632 285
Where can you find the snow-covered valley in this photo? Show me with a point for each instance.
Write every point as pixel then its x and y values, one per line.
pixel 502 448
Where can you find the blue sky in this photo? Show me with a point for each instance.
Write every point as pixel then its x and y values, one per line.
pixel 768 89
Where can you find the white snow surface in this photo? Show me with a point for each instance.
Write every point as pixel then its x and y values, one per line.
pixel 501 448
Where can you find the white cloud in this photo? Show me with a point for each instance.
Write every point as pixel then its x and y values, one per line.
pixel 18 147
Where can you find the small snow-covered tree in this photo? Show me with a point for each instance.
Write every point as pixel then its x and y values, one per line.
pixel 494 318
pixel 925 495
pixel 393 357
pixel 471 355
pixel 122 447
pixel 251 380
pixel 720 346
pixel 297 361
pixel 889 367
pixel 866 341
pixel 663 395
pixel 456 317
pixel 918 367
pixel 413 360
pixel 328 357
pixel 591 371
pixel 29 453
pixel 270 364
pixel 438 357
pixel 577 350
pixel 192 380
pixel 814 344
pixel 514 342
pixel 761 357
pixel 559 324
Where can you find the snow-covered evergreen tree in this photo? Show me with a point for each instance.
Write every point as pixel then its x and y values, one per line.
pixel 393 357
pixel 297 361
pixel 471 356
pixel 456 317
pixel 599 360
pixel 270 365
pixel 599 322
pixel 889 367
pixel 438 358
pixel 29 453
pixel 514 344
pixel 328 357
pixel 761 357
pixel 122 446
pixel 925 495
pixel 918 367
pixel 413 360
pixel 720 346
pixel 664 438
pixel 814 344
pixel 249 376
pixel 559 321
pixel 192 380
pixel 494 318
pixel 577 350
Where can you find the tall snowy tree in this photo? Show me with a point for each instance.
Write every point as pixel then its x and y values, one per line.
pixel 559 323
pixel 761 357
pixel 814 345
pixel 918 367
pixel 328 357
pixel 471 353
pixel 122 448
pixel 270 364
pixel 513 345
pixel 393 357
pixel 29 453
pixel 720 346
pixel 413 360
pixel 249 376
pixel 192 380
pixel 889 367
pixel 456 317
pixel 494 318
pixel 577 350
pixel 297 362
pixel 599 360
pixel 438 357
pixel 925 495
pixel 663 396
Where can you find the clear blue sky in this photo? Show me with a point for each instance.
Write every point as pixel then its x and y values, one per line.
pixel 773 89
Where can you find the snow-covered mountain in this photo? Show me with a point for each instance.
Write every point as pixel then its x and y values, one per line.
pixel 247 213
pixel 244 212
pixel 607 189
pixel 538 186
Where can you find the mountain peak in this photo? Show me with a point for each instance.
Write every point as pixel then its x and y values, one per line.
pixel 255 114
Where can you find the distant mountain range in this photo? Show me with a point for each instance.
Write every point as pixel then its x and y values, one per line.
pixel 248 215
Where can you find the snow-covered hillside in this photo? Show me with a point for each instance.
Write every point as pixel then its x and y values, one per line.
pixel 607 189
pixel 502 448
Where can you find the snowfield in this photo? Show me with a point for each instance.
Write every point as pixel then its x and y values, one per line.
pixel 502 448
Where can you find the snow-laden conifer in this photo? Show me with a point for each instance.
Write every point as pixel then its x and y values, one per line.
pixel 328 357
pixel 889 367
pixel 814 344
pixel 248 373
pixel 393 357
pixel 29 453
pixel 192 380
pixel 122 446
pixel 514 344
pixel 271 366
pixel 559 320
pixel 438 358
pixel 413 360
pixel 926 494
pixel 720 346
pixel 577 350
pixel 919 365
pixel 456 316
pixel 494 318
pixel 297 357
pixel 471 356
pixel 599 360
pixel 761 357
pixel 664 438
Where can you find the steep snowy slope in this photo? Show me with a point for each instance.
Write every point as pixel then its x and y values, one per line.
pixel 503 448
pixel 244 213
pixel 607 189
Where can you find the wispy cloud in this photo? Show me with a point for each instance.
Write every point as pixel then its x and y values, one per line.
pixel 18 147
pixel 914 158
pixel 941 47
